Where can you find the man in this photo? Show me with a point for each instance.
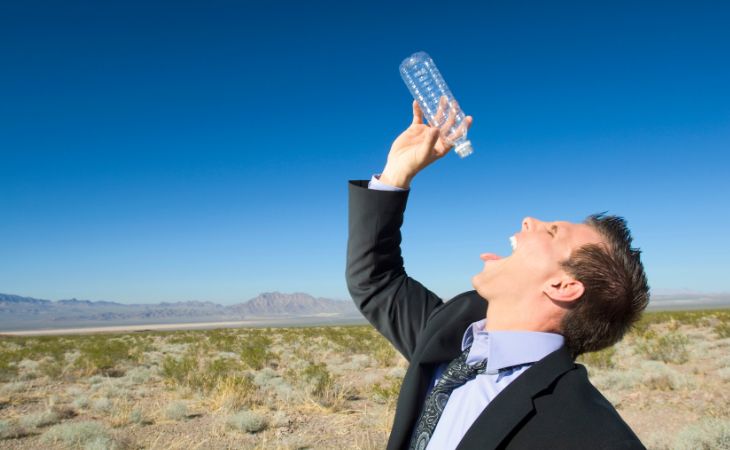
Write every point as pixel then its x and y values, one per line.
pixel 503 377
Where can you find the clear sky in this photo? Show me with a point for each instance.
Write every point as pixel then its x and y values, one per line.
pixel 162 151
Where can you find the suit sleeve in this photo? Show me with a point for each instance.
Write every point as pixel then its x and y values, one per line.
pixel 395 304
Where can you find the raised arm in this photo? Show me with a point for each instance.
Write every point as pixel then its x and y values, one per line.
pixel 397 305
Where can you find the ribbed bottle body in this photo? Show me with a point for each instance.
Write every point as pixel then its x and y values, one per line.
pixel 427 85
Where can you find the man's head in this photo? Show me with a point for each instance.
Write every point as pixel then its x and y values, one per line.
pixel 583 280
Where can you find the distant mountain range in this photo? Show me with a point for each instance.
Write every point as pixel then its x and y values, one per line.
pixel 27 313
pixel 18 312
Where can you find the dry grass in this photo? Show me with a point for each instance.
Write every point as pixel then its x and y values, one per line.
pixel 317 387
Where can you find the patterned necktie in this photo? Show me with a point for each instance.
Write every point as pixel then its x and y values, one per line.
pixel 456 374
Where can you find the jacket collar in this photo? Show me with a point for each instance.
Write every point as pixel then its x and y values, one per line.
pixel 504 349
pixel 441 343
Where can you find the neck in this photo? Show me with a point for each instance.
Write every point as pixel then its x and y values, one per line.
pixel 506 316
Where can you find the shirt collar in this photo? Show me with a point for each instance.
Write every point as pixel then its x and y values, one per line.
pixel 503 349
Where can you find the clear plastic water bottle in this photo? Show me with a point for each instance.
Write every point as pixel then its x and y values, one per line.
pixel 427 86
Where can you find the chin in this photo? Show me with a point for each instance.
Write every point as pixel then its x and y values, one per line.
pixel 479 285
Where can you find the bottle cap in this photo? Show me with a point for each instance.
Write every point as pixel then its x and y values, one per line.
pixel 463 149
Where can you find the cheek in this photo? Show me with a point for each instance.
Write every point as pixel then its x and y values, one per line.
pixel 537 263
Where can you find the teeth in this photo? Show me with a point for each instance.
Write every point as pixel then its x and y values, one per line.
pixel 513 242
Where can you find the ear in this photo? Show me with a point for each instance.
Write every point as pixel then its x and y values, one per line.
pixel 564 288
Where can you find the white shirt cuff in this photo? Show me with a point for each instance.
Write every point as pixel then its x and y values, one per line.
pixel 378 185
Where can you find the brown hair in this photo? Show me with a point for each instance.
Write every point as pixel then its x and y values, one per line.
pixel 616 288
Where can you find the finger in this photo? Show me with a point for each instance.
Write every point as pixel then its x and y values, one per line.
pixel 441 111
pixel 452 118
pixel 468 120
pixel 430 141
pixel 417 113
pixel 447 136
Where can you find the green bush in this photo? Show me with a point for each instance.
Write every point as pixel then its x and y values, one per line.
pixel 602 359
pixel 179 371
pixel 668 347
pixel 318 377
pixel 388 391
pixel 100 354
pixel 723 330
pixel 8 370
pixel 255 351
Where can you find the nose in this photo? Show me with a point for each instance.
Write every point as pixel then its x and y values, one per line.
pixel 530 223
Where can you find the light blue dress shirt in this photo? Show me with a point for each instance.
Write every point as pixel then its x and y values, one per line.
pixel 508 355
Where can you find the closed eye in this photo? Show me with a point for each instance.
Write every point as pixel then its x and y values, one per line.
pixel 553 230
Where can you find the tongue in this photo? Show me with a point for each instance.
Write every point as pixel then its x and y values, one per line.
pixel 489 257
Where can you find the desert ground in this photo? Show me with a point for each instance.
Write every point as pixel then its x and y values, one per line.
pixel 318 387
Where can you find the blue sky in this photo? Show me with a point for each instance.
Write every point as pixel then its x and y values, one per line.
pixel 165 151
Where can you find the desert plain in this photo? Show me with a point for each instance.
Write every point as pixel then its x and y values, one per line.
pixel 318 387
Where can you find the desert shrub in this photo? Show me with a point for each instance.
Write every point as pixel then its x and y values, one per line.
pixel 14 387
pixel 138 375
pixel 76 434
pixel 100 443
pixel 38 420
pixel 223 340
pixel 51 368
pixel 101 354
pixel 176 410
pixel 270 381
pixel 196 371
pixel 234 392
pixel 247 421
pixel 8 370
pixel 217 370
pixel 658 376
pixel 356 339
pixel 181 337
pixel 707 434
pixel 384 354
pixel 10 429
pixel 36 348
pixel 255 351
pixel 668 347
pixel 724 374
pixel 102 404
pixel 617 379
pixel 138 416
pixel 179 370
pixel 318 378
pixel 96 379
pixel 388 391
pixel 279 420
pixel 81 402
pixel 723 330
pixel 602 359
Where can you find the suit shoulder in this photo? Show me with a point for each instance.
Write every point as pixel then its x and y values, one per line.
pixel 590 410
pixel 468 306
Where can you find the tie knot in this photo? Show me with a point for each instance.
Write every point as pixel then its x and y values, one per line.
pixel 459 372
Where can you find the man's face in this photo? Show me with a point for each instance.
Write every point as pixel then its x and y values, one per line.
pixel 538 250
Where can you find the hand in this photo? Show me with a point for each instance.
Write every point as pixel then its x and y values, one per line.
pixel 420 145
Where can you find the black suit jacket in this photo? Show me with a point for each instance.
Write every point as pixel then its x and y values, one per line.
pixel 552 405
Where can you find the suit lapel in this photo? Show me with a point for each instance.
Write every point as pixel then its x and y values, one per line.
pixel 510 408
pixel 441 343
